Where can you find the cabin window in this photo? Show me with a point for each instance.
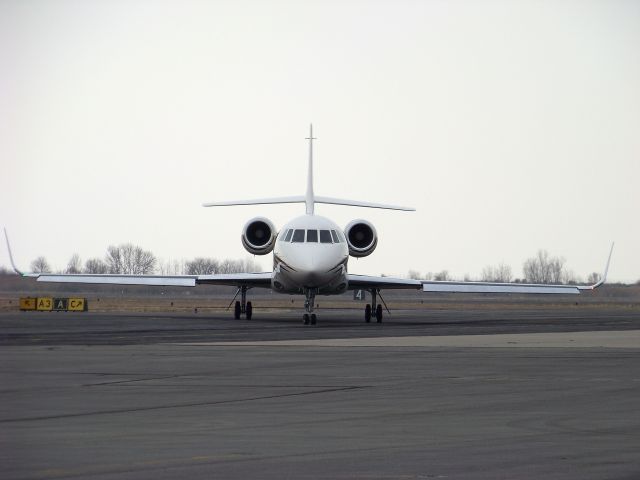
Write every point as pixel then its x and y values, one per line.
pixel 298 236
pixel 312 236
pixel 325 236
pixel 341 236
pixel 334 235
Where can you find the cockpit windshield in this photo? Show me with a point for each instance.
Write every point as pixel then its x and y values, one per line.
pixel 311 236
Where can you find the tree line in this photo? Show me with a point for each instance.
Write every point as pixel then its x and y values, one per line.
pixel 129 259
pixel 541 268
pixel 134 260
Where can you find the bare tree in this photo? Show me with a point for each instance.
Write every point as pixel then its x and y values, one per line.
pixel 40 265
pixel 536 269
pixel 251 266
pixel 229 266
pixel 202 266
pixel 569 277
pixel 487 274
pixel 442 276
pixel 594 277
pixel 172 267
pixel 74 265
pixel 238 266
pixel 130 259
pixel 556 270
pixel 414 275
pixel 96 265
pixel 544 269
pixel 500 273
pixel 5 271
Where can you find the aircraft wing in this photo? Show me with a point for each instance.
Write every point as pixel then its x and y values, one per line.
pixel 231 279
pixel 367 282
pixel 490 287
pixel 386 283
pixel 237 279
pixel 156 280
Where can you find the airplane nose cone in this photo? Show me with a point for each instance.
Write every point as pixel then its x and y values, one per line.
pixel 314 263
pixel 314 270
pixel 306 264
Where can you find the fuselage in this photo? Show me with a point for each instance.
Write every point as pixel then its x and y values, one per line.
pixel 310 253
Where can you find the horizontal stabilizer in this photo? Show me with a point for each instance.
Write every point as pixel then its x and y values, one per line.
pixel 257 201
pixel 357 203
pixel 302 199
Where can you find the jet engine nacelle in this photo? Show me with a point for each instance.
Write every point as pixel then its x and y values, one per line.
pixel 362 238
pixel 259 236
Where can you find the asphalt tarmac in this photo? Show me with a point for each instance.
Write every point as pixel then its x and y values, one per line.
pixel 107 396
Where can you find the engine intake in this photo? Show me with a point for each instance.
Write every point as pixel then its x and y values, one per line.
pixel 259 236
pixel 362 238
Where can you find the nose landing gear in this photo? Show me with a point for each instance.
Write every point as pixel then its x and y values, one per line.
pixel 309 318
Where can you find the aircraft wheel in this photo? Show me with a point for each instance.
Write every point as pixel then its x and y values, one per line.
pixel 367 313
pixel 379 314
pixel 305 319
pixel 249 311
pixel 237 311
pixel 314 319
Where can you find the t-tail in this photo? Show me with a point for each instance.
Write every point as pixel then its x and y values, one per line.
pixel 309 199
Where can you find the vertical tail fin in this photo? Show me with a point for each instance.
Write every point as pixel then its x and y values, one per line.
pixel 309 197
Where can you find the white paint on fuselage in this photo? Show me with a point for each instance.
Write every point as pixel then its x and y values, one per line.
pixel 300 265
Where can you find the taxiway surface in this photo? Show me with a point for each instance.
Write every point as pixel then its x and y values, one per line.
pixel 147 396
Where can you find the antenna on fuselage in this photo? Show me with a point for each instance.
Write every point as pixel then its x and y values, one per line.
pixel 309 199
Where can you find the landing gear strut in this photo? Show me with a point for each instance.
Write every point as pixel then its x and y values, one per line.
pixel 242 306
pixel 374 308
pixel 309 318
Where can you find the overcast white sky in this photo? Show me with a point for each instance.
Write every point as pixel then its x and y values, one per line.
pixel 510 126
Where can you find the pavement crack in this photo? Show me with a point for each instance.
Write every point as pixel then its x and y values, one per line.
pixel 179 405
pixel 130 381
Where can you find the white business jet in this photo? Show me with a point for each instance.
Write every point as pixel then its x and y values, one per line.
pixel 310 256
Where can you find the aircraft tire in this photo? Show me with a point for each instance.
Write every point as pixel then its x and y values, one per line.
pixel 379 313
pixel 314 319
pixel 237 310
pixel 249 311
pixel 305 319
pixel 367 313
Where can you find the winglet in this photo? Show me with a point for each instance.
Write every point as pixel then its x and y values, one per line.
pixel 13 265
pixel 604 275
pixel 606 268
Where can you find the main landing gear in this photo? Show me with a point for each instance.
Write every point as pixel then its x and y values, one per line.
pixel 309 318
pixel 242 306
pixel 374 308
